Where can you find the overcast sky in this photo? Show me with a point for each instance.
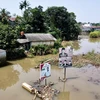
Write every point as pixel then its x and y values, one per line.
pixel 85 10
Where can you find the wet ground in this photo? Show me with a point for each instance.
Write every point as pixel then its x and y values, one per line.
pixel 82 83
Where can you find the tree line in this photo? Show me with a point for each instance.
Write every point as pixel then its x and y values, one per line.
pixel 54 20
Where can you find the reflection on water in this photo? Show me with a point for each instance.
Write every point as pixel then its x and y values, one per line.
pixel 8 77
pixel 87 45
pixel 83 45
pixel 64 95
pixel 94 40
pixel 74 44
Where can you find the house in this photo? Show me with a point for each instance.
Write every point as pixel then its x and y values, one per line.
pixel 36 39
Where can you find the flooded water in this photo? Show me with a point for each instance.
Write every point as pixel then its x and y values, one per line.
pixel 82 83
pixel 87 45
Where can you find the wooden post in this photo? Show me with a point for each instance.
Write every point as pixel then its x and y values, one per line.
pixel 64 74
pixel 45 81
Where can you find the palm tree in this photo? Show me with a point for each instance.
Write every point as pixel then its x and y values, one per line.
pixel 24 4
pixel 21 6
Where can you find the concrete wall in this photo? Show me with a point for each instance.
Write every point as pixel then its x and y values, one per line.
pixel 47 43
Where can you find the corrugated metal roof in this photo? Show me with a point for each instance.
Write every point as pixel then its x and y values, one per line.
pixel 39 37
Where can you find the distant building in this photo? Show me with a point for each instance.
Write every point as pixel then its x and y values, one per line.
pixel 86 27
pixel 96 28
pixel 89 27
pixel 36 39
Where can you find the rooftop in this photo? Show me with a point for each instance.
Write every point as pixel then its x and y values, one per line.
pixel 37 37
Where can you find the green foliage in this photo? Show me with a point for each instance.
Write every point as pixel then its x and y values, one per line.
pixel 7 37
pixel 55 20
pixel 64 21
pixel 55 32
pixel 57 44
pixel 40 49
pixel 95 34
pixel 35 18
pixel 54 51
pixel 15 54
pixel 23 4
pixel 4 16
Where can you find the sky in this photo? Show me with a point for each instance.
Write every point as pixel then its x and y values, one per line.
pixel 85 10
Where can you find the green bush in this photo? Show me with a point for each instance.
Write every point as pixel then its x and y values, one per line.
pixel 54 51
pixel 41 49
pixel 95 34
pixel 15 54
pixel 57 44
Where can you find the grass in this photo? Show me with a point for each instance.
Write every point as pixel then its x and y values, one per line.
pixel 77 60
pixel 89 58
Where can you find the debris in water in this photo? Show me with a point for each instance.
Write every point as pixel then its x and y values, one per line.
pixel 45 92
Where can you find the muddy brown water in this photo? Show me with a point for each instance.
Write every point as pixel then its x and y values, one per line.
pixel 87 45
pixel 82 83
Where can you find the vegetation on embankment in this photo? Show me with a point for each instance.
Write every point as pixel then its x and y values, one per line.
pixel 89 58
pixel 95 34
pixel 77 60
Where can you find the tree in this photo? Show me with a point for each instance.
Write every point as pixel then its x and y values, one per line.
pixel 24 4
pixel 64 21
pixel 4 16
pixel 7 37
pixel 35 18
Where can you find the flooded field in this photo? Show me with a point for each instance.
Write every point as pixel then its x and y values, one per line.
pixel 87 45
pixel 84 45
pixel 82 83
